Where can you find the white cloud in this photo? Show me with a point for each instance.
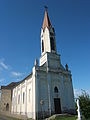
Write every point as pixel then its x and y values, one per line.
pixel 1 80
pixel 3 65
pixel 17 74
pixel 78 92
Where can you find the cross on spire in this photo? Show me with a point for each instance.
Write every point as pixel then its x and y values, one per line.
pixel 46 7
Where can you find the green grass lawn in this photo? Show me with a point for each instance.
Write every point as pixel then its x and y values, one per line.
pixel 66 118
pixel 69 118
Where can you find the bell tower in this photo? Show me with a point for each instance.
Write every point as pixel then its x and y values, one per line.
pixel 48 43
pixel 49 56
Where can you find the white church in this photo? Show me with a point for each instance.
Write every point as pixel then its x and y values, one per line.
pixel 48 89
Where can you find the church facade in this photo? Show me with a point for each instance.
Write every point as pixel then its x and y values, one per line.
pixel 48 89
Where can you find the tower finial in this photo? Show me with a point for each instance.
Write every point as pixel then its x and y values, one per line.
pixel 46 21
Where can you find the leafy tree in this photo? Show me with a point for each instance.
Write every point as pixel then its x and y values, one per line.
pixel 85 104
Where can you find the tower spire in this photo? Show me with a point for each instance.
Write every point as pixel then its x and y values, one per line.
pixel 48 43
pixel 46 21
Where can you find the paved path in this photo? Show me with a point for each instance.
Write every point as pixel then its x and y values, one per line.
pixel 9 116
pixel 2 117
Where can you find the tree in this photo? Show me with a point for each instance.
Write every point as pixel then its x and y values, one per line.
pixel 85 104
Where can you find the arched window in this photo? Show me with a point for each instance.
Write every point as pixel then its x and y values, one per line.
pixel 18 99
pixel 29 94
pixel 23 97
pixel 42 46
pixel 56 90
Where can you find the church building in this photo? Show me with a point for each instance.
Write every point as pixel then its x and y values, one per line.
pixel 48 89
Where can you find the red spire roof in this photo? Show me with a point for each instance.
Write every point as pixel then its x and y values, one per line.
pixel 46 21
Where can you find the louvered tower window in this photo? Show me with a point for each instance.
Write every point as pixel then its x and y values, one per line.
pixel 52 43
pixel 42 46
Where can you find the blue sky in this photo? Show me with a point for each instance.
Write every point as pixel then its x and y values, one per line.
pixel 20 27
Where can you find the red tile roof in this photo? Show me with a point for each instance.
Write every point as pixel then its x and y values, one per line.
pixel 10 86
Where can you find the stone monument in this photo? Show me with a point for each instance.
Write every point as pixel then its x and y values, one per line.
pixel 78 110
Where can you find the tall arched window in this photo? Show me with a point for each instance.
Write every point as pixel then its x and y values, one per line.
pixel 18 99
pixel 23 97
pixel 56 90
pixel 42 46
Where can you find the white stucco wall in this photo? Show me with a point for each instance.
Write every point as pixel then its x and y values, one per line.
pixel 40 85
pixel 26 107
pixel 62 80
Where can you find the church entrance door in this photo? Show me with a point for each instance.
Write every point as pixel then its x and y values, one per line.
pixel 57 105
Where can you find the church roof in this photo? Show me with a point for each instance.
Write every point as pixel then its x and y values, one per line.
pixel 14 84
pixel 46 21
pixel 10 86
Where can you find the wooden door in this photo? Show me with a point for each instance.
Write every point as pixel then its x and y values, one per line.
pixel 57 105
